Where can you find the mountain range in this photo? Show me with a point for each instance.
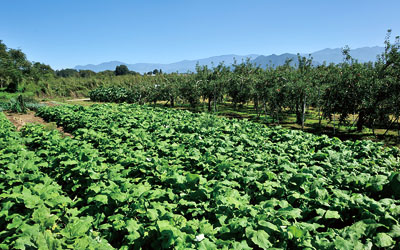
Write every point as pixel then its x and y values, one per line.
pixel 364 54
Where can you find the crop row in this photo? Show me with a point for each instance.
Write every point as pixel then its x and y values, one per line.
pixel 113 94
pixel 243 185
pixel 35 212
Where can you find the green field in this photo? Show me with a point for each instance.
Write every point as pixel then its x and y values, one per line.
pixel 138 177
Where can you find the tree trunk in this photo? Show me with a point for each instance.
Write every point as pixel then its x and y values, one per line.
pixel 277 114
pixel 192 105
pixel 172 101
pixel 215 104
pixel 298 115
pixel 140 99
pixel 304 114
pixel 256 104
pixel 334 132
pixel 398 128
pixel 319 109
pixel 265 109
pixel 361 120
pixel 209 103
pixel 373 127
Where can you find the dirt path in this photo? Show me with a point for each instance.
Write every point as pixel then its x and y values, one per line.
pixel 19 120
pixel 79 100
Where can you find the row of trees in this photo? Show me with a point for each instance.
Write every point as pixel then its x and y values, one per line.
pixel 85 73
pixel 17 73
pixel 367 92
pixel 120 70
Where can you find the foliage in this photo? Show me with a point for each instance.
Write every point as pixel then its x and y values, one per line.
pixel 157 178
pixel 35 213
pixel 121 70
pixel 67 73
pixel 112 94
pixel 13 67
pixel 20 104
pixel 17 105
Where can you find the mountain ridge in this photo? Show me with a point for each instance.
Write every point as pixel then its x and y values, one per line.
pixel 327 55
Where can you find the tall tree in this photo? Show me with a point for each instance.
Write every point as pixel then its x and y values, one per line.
pixel 86 73
pixel 13 67
pixel 121 70
pixel 67 73
pixel 41 71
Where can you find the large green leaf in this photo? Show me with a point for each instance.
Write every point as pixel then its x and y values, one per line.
pixel 383 240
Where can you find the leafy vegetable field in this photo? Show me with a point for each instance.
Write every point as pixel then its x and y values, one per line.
pixel 113 94
pixel 35 211
pixel 139 177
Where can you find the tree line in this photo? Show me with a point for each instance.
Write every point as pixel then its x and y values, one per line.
pixel 18 74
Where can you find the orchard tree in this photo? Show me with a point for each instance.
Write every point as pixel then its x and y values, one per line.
pixel 352 92
pixel 217 82
pixel 322 76
pixel 254 92
pixel 277 89
pixel 259 89
pixel 304 87
pixel 239 86
pixel 202 78
pixel 189 89
pixel 169 86
pixel 388 73
pixel 212 83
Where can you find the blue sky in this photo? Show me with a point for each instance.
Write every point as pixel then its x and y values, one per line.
pixel 65 33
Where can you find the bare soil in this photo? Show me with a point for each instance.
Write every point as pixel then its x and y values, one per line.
pixel 20 120
pixel 79 100
pixel 50 103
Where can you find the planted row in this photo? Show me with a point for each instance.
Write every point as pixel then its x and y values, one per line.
pixel 113 94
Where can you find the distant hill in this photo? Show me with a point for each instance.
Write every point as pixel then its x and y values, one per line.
pixel 364 54
pixel 182 66
pixel 100 67
pixel 274 60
